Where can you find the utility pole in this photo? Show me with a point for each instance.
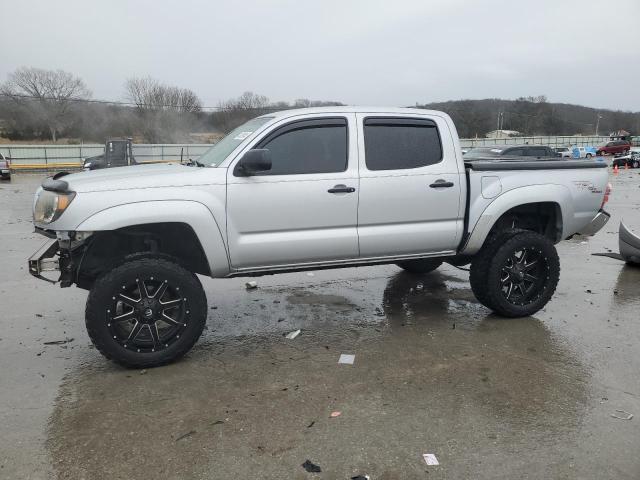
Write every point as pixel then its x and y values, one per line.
pixel 500 120
pixel 598 123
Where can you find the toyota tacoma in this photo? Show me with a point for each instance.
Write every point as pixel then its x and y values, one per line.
pixel 306 189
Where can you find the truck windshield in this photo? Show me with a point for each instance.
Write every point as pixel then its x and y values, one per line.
pixel 216 154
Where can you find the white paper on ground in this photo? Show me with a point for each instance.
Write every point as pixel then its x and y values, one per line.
pixel 293 334
pixel 346 358
pixel 251 284
pixel 430 458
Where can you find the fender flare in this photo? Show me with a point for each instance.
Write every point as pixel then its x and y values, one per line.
pixel 194 214
pixel 551 193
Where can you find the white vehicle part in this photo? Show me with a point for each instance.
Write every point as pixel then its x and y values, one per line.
pixel 194 214
pixel 399 211
pixel 491 187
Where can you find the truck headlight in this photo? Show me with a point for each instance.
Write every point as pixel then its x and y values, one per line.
pixel 50 205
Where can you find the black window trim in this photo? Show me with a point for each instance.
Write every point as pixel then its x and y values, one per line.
pixel 410 121
pixel 302 124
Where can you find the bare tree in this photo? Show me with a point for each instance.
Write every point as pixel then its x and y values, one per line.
pixel 46 95
pixel 165 112
pixel 149 94
pixel 234 112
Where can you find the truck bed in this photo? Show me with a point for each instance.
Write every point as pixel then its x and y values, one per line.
pixel 493 164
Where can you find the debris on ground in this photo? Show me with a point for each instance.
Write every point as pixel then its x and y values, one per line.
pixel 292 335
pixel 218 422
pixel 625 415
pixel 143 371
pixel 335 414
pixel 310 274
pixel 185 435
pixel 251 285
pixel 311 424
pixel 430 458
pixel 361 477
pixel 346 358
pixel 59 342
pixel 311 467
pixel 39 315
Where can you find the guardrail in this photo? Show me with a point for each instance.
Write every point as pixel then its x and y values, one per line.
pixel 551 141
pixel 33 157
pixel 42 157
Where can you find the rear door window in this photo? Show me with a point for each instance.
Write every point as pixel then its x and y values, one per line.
pixel 401 143
pixel 537 152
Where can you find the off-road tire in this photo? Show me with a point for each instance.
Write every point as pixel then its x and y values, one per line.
pixel 482 260
pixel 487 269
pixel 107 287
pixel 420 266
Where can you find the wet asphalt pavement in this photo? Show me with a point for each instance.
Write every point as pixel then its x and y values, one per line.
pixel 434 372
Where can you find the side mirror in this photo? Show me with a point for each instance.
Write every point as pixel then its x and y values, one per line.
pixel 254 161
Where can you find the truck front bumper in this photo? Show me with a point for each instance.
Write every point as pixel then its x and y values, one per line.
pixel 45 259
pixel 599 221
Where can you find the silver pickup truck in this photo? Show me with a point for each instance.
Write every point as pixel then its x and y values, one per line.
pixel 301 190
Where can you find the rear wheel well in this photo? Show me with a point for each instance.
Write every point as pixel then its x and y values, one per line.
pixel 544 218
pixel 106 250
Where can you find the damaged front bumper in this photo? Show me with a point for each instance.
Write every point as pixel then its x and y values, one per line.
pixel 598 222
pixel 61 254
pixel 45 259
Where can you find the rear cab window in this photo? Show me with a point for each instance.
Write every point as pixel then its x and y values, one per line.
pixel 396 143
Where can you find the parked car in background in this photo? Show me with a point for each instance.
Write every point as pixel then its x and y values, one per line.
pixel 565 152
pixel 613 147
pixel 584 152
pixel 630 160
pixel 537 151
pixel 5 173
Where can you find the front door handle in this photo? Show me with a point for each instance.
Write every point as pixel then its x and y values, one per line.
pixel 441 184
pixel 341 189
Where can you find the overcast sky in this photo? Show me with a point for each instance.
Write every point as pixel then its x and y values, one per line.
pixel 393 52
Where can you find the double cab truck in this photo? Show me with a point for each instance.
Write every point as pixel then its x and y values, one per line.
pixel 306 189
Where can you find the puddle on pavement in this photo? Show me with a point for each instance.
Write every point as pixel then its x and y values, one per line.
pixel 431 369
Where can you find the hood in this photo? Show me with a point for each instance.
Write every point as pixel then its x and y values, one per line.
pixel 143 176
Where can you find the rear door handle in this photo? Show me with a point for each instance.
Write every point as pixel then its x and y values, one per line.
pixel 441 184
pixel 341 189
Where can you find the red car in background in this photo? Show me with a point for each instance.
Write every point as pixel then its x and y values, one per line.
pixel 613 147
pixel 5 173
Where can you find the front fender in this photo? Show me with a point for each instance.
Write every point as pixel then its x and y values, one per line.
pixel 553 193
pixel 193 213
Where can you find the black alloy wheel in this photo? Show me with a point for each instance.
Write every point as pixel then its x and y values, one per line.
pixel 146 312
pixel 516 273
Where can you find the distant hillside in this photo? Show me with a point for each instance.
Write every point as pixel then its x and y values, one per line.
pixel 534 116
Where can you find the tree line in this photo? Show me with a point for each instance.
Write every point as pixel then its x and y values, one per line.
pixel 38 104
pixel 534 116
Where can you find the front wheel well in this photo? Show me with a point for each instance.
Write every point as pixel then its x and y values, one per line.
pixel 544 218
pixel 106 250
